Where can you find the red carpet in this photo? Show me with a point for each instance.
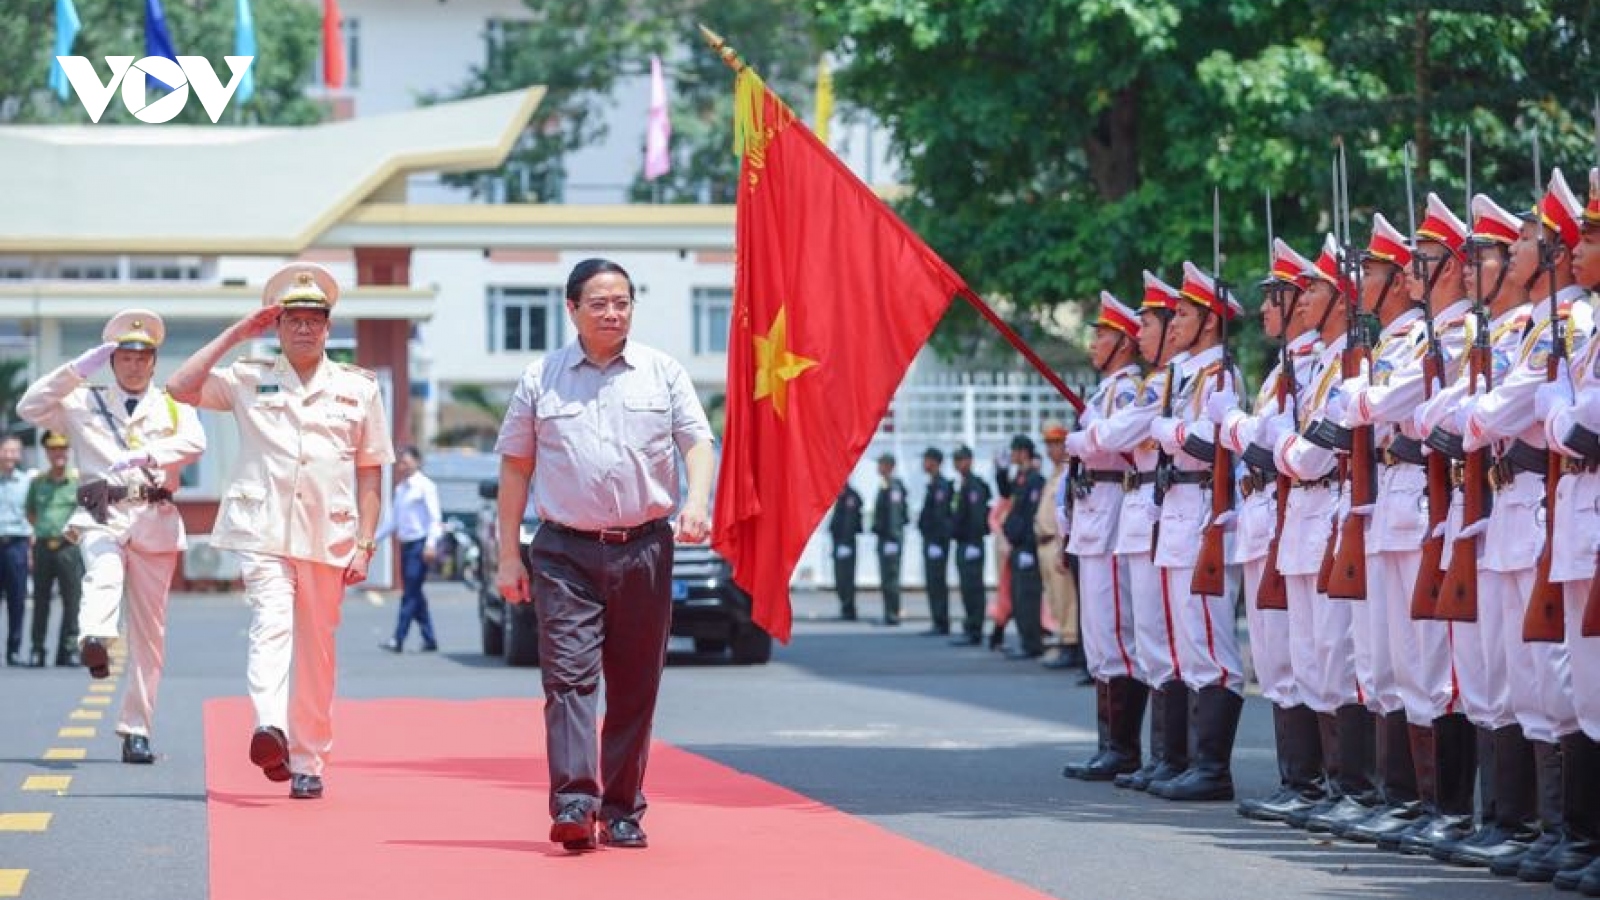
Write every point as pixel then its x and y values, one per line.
pixel 439 799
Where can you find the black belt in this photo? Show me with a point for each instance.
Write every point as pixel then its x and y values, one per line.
pixel 1570 466
pixel 1524 457
pixel 1103 476
pixel 1255 482
pixel 1327 480
pixel 1132 479
pixel 117 493
pixel 608 535
pixel 1189 477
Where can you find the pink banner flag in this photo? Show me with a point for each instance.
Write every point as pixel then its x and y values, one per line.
pixel 658 132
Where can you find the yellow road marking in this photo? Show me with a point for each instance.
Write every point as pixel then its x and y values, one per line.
pixel 101 687
pixel 11 882
pixel 47 782
pixel 66 753
pixel 96 700
pixel 81 731
pixel 86 714
pixel 24 821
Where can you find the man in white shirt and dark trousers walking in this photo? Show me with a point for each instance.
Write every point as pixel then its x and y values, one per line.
pixel 415 520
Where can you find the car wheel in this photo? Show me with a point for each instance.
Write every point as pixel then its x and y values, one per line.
pixel 521 635
pixel 710 645
pixel 752 646
pixel 494 637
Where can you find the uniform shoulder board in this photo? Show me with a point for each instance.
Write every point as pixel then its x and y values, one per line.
pixel 257 361
pixel 364 373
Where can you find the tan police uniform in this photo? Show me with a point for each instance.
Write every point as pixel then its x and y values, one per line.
pixel 129 559
pixel 290 512
pixel 1060 589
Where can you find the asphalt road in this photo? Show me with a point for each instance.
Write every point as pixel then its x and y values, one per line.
pixel 953 747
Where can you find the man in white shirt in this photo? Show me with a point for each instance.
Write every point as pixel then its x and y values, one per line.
pixel 415 521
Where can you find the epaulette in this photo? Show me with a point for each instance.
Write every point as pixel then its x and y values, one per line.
pixel 357 370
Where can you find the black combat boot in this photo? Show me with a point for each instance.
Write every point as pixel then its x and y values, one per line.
pixel 1455 745
pixel 1358 771
pixel 1125 703
pixel 1210 776
pixel 1515 824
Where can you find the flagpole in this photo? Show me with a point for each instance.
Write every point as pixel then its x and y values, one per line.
pixel 732 59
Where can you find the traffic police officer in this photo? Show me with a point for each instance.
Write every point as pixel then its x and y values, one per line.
pixel 843 526
pixel 52 499
pixel 134 441
pixel 889 519
pixel 301 509
pixel 970 526
pixel 936 521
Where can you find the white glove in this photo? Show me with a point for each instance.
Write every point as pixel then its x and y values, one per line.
pixel 1349 386
pixel 1220 403
pixel 1550 396
pixel 973 551
pixel 1165 431
pixel 130 459
pixel 890 548
pixel 843 551
pixel 92 360
pixel 1473 530
pixel 1361 511
pixel 1439 529
pixel 1333 409
pixel 935 551
pixel 1077 443
pixel 1587 409
pixel 1226 520
pixel 1274 427
pixel 1462 413
pixel 1025 560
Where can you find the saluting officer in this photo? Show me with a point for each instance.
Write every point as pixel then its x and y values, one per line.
pixel 301 509
pixel 134 441
pixel 889 517
pixel 843 526
pixel 969 528
pixel 936 521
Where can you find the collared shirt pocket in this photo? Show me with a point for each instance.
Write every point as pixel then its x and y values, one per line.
pixel 647 422
pixel 243 508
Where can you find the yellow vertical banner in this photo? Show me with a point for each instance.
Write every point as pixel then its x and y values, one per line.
pixel 824 102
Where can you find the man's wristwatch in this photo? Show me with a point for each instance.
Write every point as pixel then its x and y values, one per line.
pixel 370 546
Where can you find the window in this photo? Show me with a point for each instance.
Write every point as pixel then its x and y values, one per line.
pixel 89 270
pixel 525 319
pixel 713 313
pixel 165 270
pixel 15 269
pixel 350 29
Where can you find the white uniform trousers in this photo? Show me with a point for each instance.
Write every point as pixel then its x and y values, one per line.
pixel 1419 651
pixel 1321 648
pixel 295 607
pixel 1155 651
pixel 1534 678
pixel 1583 654
pixel 1373 643
pixel 1204 632
pixel 1106 609
pixel 1476 652
pixel 1269 640
pixel 121 581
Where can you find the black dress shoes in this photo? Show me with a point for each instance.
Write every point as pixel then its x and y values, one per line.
pixel 391 645
pixel 573 827
pixel 67 659
pixel 624 833
pixel 136 749
pixel 96 658
pixel 36 660
pixel 305 787
pixel 14 658
pixel 1016 653
pixel 935 631
pixel 270 751
pixel 430 647
pixel 965 640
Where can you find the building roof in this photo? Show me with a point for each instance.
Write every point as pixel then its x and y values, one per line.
pixel 208 189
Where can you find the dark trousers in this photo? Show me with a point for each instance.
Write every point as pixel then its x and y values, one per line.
pixel 936 571
pixel 61 567
pixel 604 613
pixel 1027 591
pixel 970 572
pixel 413 604
pixel 889 578
pixel 844 579
pixel 14 584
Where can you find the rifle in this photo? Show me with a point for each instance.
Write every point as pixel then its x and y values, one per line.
pixel 1348 580
pixel 1425 595
pixel 1273 592
pixel 1209 579
pixel 1546 617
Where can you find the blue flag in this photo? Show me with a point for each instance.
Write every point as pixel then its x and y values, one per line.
pixel 66 32
pixel 244 44
pixel 157 39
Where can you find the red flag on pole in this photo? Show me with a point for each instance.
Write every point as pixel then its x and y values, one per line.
pixel 833 297
pixel 332 44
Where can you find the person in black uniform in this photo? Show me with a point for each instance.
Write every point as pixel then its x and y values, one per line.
pixel 1027 584
pixel 889 518
pixel 844 525
pixel 936 522
pixel 969 526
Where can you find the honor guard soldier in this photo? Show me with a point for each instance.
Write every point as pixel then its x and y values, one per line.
pixel 970 527
pixel 843 526
pixel 1127 431
pixel 1444 753
pixel 52 499
pixel 130 443
pixel 1405 662
pixel 1294 725
pixel 301 509
pixel 1572 424
pixel 889 517
pixel 1203 627
pixel 1027 584
pixel 936 521
pixel 1093 501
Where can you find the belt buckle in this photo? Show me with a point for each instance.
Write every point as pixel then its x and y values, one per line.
pixel 52 543
pixel 613 535
pixel 1130 480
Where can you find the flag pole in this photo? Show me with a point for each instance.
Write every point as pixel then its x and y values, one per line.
pixel 732 59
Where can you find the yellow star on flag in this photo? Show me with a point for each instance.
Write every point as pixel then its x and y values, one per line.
pixel 776 366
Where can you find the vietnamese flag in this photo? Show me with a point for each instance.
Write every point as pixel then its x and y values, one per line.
pixel 332 44
pixel 833 297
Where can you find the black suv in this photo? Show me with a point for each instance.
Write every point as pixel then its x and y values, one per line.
pixel 706 605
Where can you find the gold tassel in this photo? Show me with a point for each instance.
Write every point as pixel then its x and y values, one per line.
pixel 749 132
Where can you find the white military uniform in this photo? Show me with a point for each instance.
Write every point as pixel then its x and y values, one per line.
pixel 1537 674
pixel 290 511
pixel 1425 672
pixel 1104 600
pixel 1256 525
pixel 129 560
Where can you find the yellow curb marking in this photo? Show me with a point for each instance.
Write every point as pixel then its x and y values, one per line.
pixel 100 687
pixel 11 881
pixel 66 753
pixel 96 700
pixel 86 714
pixel 82 731
pixel 24 821
pixel 47 782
